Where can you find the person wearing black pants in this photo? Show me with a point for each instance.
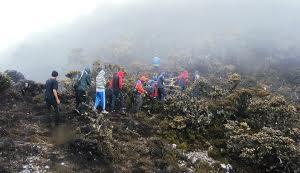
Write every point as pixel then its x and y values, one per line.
pixel 51 96
pixel 161 87
pixel 116 86
pixel 117 95
pixel 81 87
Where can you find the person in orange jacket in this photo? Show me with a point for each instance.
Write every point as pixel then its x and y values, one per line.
pixel 139 92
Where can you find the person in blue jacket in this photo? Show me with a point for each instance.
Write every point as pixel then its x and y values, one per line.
pixel 81 86
pixel 161 86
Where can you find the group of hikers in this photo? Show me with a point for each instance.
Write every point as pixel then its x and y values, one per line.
pixel 154 88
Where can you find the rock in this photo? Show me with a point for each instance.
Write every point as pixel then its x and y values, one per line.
pixel 14 75
pixel 7 144
pixel 200 156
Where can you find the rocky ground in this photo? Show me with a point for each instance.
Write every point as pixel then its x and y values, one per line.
pixel 225 122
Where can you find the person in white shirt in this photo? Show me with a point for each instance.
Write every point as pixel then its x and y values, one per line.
pixel 100 100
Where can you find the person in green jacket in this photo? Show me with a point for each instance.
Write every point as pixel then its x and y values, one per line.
pixel 81 86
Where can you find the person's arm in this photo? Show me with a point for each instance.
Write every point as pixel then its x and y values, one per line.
pixel 56 96
pixel 140 89
pixel 89 80
pixel 55 93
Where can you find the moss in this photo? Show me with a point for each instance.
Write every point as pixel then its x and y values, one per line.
pixel 183 146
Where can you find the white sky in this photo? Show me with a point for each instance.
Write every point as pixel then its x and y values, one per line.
pixel 19 18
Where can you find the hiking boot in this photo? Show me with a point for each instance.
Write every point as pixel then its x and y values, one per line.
pixel 84 114
pixel 77 111
pixel 104 112
pixel 123 112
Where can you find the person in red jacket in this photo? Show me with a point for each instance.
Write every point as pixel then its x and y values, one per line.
pixel 139 92
pixel 183 79
pixel 116 86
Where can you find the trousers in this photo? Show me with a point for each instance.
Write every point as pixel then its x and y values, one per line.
pixel 100 99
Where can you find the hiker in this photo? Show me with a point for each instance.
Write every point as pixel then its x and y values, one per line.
pixel 81 86
pixel 139 93
pixel 182 80
pixel 196 75
pixel 161 87
pixel 100 92
pixel 116 86
pixel 51 96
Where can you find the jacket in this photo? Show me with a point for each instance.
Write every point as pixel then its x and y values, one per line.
pixel 139 87
pixel 100 80
pixel 84 81
pixel 183 77
pixel 152 88
pixel 160 81
pixel 117 85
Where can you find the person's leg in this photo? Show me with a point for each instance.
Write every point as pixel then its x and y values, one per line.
pixel 159 93
pixel 97 100
pixel 103 100
pixel 113 100
pixel 134 105
pixel 49 115
pixel 139 102
pixel 84 101
pixel 121 97
pixel 56 112
pixel 49 107
pixel 77 99
pixel 163 94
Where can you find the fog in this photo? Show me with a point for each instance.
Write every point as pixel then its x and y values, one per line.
pixel 137 31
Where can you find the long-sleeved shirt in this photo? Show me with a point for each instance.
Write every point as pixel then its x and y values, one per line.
pixel 100 81
pixel 84 81
pixel 160 81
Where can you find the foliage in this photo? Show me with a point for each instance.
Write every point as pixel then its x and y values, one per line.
pixel 5 82
pixel 272 111
pixel 268 149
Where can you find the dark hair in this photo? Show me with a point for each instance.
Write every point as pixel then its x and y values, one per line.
pixel 54 74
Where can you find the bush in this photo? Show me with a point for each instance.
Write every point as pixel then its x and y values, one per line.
pixel 268 150
pixel 5 82
pixel 273 111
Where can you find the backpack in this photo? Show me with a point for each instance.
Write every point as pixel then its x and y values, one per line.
pixel 115 81
pixel 78 78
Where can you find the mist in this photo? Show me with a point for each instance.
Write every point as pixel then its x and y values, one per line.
pixel 248 30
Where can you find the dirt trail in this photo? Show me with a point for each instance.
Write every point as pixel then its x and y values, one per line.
pixel 31 144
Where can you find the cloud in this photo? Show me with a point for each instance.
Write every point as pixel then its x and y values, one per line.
pixel 20 18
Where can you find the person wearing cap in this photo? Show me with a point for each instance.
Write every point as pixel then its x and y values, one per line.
pixel 81 86
pixel 51 95
pixel 139 92
pixel 196 75
pixel 100 92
